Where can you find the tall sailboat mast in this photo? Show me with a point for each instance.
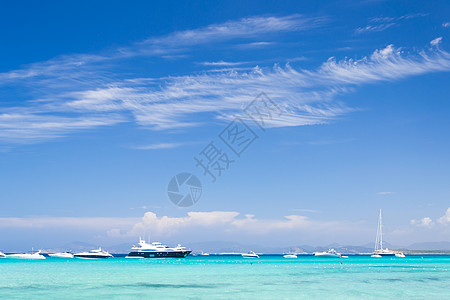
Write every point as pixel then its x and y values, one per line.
pixel 379 238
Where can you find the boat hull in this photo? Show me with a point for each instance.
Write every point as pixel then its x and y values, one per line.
pixel 57 255
pixel 158 254
pixel 90 256
pixel 327 255
pixel 26 256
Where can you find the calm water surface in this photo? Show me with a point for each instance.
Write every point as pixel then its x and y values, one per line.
pixel 270 277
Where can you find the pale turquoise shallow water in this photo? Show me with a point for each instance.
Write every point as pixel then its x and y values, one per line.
pixel 212 277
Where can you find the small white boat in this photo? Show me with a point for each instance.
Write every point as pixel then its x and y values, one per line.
pixel 399 254
pixel 97 253
pixel 290 256
pixel 66 254
pixel 251 254
pixel 204 254
pixel 35 255
pixel 2 255
pixel 376 255
pixel 330 253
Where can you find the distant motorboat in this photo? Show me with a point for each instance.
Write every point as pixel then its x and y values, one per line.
pixel 290 256
pixel 35 255
pixel 204 254
pixel 66 254
pixel 2 255
pixel 379 251
pixel 250 254
pixel 330 253
pixel 399 254
pixel 376 255
pixel 97 253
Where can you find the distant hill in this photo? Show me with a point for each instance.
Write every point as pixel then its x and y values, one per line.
pixel 227 247
pixel 430 246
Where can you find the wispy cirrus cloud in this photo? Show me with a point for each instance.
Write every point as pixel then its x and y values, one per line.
pixel 159 146
pixel 165 46
pixel 385 193
pixel 374 27
pixel 221 63
pixel 383 23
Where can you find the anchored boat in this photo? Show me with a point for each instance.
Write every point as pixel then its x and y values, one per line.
pixel 156 250
pixel 97 253
pixel 330 253
pixel 32 255
pixel 379 251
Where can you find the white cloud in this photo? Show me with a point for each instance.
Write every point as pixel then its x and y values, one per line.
pixel 169 225
pixel 436 41
pixel 378 27
pixel 306 210
pixel 86 223
pixel 385 193
pixel 424 222
pixel 428 222
pixel 213 225
pixel 221 63
pixel 79 67
pixel 255 45
pixel 18 126
pixel 227 222
pixel 446 24
pixel 383 23
pixel 159 146
pixel 445 219
pixel 246 27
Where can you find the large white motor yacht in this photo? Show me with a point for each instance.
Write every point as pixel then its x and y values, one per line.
pixel 97 253
pixel 32 255
pixel 329 253
pixel 156 250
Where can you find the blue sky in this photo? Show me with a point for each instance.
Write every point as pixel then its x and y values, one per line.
pixel 102 103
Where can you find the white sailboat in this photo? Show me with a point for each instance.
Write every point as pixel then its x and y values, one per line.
pixel 379 250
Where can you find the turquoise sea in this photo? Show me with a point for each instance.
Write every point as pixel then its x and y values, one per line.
pixel 227 277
